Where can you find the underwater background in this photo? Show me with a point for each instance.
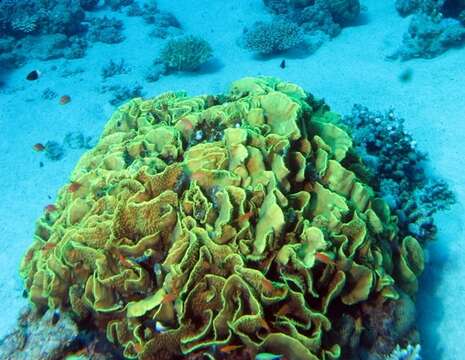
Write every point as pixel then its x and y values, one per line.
pixel 393 71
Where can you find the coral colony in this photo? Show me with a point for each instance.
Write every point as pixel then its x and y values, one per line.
pixel 256 224
pixel 235 224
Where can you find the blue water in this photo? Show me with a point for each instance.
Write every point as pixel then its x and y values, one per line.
pixel 92 57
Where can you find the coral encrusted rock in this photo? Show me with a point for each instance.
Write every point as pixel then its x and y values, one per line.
pixel 201 225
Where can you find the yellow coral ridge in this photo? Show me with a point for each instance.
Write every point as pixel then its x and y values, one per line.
pixel 206 221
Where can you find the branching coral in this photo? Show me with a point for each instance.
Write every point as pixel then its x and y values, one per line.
pixel 186 53
pixel 201 222
pixel 276 36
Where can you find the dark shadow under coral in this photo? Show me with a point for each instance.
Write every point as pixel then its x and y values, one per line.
pixel 361 20
pixel 430 309
pixel 209 67
pixel 452 8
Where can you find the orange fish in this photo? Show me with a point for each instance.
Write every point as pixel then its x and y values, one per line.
pixel 65 99
pixel 168 298
pixel 28 255
pixel 325 259
pixel 285 309
pixel 245 217
pixel 48 246
pixel 125 262
pixel 39 147
pixel 265 325
pixel 197 176
pixel 267 285
pixel 230 348
pixel 50 208
pixel 138 347
pixel 74 186
pixel 187 124
pixel 72 254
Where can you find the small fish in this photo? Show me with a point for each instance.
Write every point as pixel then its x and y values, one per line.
pixel 265 325
pixel 283 64
pixel 245 217
pixel 28 255
pixel 168 298
pixel 159 327
pixel 48 246
pixel 283 310
pixel 325 259
pixel 197 176
pixel 50 208
pixel 72 254
pixel 65 99
pixel 55 317
pixel 39 147
pixel 359 325
pixel 267 285
pixel 158 273
pixel 138 347
pixel 74 186
pixel 268 356
pixel 230 348
pixel 33 75
pixel 406 75
pixel 139 259
pixel 125 262
pixel 187 125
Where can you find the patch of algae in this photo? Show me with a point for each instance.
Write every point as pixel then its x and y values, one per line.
pixel 208 221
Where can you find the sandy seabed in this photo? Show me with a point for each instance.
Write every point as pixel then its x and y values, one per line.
pixel 350 69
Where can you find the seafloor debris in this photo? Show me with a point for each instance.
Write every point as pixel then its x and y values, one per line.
pixel 240 220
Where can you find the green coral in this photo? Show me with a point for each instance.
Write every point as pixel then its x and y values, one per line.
pixel 262 236
pixel 186 53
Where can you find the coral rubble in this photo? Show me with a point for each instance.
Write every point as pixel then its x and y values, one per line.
pixel 238 222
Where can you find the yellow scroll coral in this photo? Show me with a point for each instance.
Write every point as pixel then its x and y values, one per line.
pixel 207 221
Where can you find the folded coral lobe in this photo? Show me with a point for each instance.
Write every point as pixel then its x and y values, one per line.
pixel 209 221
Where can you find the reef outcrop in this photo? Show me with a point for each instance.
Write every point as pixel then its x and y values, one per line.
pixel 212 224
